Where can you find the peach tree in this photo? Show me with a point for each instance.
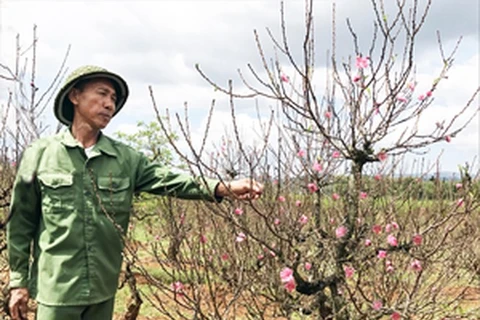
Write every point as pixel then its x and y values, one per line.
pixel 339 232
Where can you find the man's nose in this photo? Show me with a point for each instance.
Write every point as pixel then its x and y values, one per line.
pixel 110 103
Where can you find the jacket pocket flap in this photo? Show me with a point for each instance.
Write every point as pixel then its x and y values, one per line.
pixel 113 184
pixel 56 180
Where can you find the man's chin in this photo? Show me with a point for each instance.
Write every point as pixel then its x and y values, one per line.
pixel 102 125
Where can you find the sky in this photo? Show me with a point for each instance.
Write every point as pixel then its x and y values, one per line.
pixel 158 44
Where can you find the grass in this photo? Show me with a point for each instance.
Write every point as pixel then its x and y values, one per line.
pixel 123 297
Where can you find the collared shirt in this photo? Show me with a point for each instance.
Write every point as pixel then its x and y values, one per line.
pixel 75 208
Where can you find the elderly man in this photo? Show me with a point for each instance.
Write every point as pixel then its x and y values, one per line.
pixel 71 202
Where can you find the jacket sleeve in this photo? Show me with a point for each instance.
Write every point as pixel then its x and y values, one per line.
pixel 157 179
pixel 23 218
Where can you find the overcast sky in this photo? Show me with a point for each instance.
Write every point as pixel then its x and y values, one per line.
pixel 158 43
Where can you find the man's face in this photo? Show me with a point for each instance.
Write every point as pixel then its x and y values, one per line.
pixel 94 104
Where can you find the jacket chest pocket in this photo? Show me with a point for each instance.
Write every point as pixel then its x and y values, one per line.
pixel 114 194
pixel 57 192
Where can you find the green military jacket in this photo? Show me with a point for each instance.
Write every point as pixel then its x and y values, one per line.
pixel 66 204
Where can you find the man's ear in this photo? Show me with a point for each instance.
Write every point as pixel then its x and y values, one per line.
pixel 73 96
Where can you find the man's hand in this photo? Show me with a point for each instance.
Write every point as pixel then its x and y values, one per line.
pixel 243 189
pixel 18 303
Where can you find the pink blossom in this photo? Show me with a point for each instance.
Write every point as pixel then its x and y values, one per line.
pixel 177 288
pixel 298 203
pixel 301 153
pixel 416 265
pixel 286 275
pixel 157 237
pixel 417 239
pixel 308 266
pixel 336 154
pixel 377 229
pixel 448 138
pixel 368 242
pixel 377 305
pixel 203 238
pixel 238 211
pixel 421 97
pixel 182 218
pixel 460 202
pixel 284 78
pixel 349 271
pixel 382 254
pixel 390 269
pixel 341 231
pixel 335 196
pixel 363 195
pixel 312 187
pixel 303 219
pixel 396 316
pixel 392 240
pixel 240 237
pixel 382 156
pixel 272 253
pixel 332 220
pixel 362 62
pixel 317 167
pixel 411 86
pixel 429 93
pixel 378 177
pixel 402 99
pixel 328 114
pixel 260 256
pixel 281 199
pixel 290 285
pixel 388 228
pixel 395 225
pixel 276 221
pixel 356 78
pixel 459 186
pixel 224 257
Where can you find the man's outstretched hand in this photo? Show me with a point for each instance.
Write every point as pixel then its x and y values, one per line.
pixel 243 189
pixel 18 303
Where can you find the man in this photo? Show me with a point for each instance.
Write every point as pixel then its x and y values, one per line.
pixel 71 203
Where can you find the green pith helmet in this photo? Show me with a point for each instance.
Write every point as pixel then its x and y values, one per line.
pixel 63 107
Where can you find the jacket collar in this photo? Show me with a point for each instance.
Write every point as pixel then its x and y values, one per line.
pixel 104 144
